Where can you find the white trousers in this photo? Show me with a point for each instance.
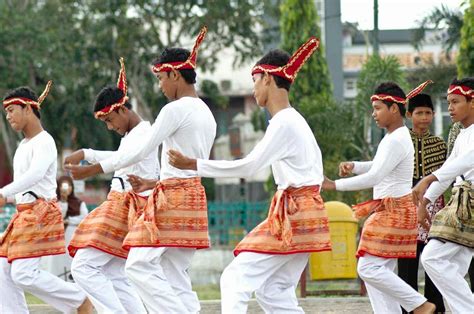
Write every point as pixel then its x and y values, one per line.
pixel 161 278
pixel 387 292
pixel 273 278
pixel 447 263
pixel 25 275
pixel 102 277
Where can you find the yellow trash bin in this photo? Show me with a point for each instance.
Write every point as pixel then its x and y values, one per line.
pixel 341 261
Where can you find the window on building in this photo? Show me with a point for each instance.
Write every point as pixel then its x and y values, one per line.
pixel 350 85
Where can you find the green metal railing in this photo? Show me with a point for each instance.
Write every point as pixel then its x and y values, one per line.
pixel 6 214
pixel 228 222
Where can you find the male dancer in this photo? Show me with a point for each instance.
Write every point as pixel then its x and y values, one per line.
pixel 270 259
pixel 174 223
pixel 430 154
pixel 390 232
pixel 449 252
pixel 99 259
pixel 37 227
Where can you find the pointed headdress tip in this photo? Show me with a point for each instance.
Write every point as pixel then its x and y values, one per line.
pixel 44 93
pixel 122 78
pixel 418 89
pixel 200 37
pixel 299 58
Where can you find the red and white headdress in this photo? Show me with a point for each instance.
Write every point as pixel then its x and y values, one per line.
pixel 189 64
pixel 461 90
pixel 122 85
pixel 401 100
pixel 290 70
pixel 26 101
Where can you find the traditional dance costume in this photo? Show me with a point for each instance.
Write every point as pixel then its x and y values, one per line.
pixel 391 230
pixel 174 224
pixel 270 259
pixel 449 252
pixel 36 229
pixel 99 259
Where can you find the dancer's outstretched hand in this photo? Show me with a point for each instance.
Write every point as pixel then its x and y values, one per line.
pixel 75 158
pixel 178 160
pixel 345 168
pixel 328 184
pixel 82 172
pixel 423 217
pixel 419 190
pixel 139 184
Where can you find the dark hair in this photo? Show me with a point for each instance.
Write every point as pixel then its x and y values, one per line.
pixel 177 55
pixel 109 95
pixel 390 88
pixel 24 92
pixel 467 81
pixel 73 202
pixel 277 57
pixel 420 100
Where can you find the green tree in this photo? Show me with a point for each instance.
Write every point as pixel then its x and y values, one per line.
pixel 465 59
pixel 441 17
pixel 299 21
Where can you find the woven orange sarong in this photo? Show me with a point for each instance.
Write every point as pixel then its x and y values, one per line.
pixel 391 230
pixel 106 226
pixel 297 222
pixel 174 216
pixel 35 230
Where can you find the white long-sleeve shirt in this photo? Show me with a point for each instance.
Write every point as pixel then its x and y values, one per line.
pixel 186 125
pixel 288 146
pixel 34 169
pixel 391 171
pixel 147 167
pixel 464 143
pixel 456 167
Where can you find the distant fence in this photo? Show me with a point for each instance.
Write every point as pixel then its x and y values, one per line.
pixel 5 214
pixel 228 222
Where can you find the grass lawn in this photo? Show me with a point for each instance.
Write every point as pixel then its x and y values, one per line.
pixel 31 299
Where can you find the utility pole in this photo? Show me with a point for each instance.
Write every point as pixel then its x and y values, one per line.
pixel 376 28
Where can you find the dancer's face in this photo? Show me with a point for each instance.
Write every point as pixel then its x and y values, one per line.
pixel 116 121
pixel 260 88
pixel 459 107
pixel 167 81
pixel 381 113
pixel 17 116
pixel 422 117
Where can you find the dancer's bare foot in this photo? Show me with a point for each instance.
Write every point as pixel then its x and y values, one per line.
pixel 86 307
pixel 425 308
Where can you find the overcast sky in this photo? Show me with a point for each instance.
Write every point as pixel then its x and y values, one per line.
pixel 393 14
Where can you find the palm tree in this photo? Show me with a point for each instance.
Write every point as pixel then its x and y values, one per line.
pixel 450 21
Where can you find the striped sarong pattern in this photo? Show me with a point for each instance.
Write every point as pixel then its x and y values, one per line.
pixel 297 222
pixel 391 230
pixel 106 226
pixel 174 216
pixel 35 230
